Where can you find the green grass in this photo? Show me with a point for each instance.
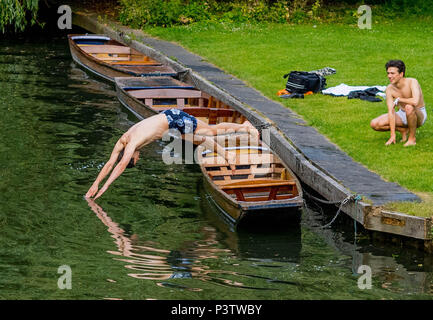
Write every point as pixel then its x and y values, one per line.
pixel 261 54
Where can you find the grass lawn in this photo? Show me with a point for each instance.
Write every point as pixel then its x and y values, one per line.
pixel 261 54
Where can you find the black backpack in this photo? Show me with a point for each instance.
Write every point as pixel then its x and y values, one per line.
pixel 302 82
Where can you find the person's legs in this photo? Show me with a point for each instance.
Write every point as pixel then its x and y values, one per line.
pixel 204 128
pixel 224 127
pixel 411 123
pixel 415 118
pixel 245 127
pixel 421 116
pixel 421 112
pixel 381 123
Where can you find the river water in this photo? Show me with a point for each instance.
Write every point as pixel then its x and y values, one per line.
pixel 154 234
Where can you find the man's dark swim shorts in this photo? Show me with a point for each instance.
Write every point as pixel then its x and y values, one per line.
pixel 180 120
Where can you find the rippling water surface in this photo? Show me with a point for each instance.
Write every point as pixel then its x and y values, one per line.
pixel 154 234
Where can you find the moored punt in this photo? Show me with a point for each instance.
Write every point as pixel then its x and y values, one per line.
pixel 109 58
pixel 260 187
pixel 146 96
pixel 260 184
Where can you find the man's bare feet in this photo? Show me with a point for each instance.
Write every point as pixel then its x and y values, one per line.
pixel 251 128
pixel 410 143
pixel 248 124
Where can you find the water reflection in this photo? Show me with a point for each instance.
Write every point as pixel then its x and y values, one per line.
pixel 261 243
pixel 151 263
pixel 395 267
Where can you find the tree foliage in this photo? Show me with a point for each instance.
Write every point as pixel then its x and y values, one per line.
pixel 17 14
pixel 141 13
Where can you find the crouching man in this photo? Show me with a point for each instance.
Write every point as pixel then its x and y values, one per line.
pixel 407 95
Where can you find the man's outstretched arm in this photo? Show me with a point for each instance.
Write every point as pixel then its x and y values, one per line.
pixel 106 169
pixel 391 116
pixel 118 170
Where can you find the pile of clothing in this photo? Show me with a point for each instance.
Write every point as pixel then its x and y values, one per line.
pixel 367 93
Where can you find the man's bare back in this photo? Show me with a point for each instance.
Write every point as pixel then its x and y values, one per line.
pixel 145 131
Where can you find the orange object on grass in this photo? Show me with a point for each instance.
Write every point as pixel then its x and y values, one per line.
pixel 281 92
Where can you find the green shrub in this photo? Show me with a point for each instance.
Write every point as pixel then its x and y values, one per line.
pixel 298 16
pixel 196 11
pixel 236 14
pixel 139 13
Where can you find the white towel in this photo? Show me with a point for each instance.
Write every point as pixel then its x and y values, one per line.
pixel 344 90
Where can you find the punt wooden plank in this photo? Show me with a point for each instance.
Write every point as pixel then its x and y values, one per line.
pixel 271 192
pixel 265 198
pixel 250 171
pixel 201 111
pixel 164 93
pixel 225 182
pixel 257 184
pixel 245 159
pixel 137 63
pixel 112 49
pixel 112 59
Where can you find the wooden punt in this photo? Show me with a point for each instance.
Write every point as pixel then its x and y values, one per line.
pixel 147 96
pixel 109 58
pixel 260 186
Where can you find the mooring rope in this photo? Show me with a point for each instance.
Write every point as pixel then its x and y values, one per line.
pixel 346 200
pixel 262 127
pixel 320 200
pixel 182 74
pixel 353 197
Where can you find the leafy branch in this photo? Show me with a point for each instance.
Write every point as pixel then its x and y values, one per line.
pixel 18 13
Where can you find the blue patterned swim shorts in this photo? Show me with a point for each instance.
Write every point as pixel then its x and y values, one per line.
pixel 180 120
